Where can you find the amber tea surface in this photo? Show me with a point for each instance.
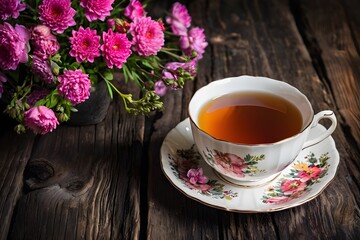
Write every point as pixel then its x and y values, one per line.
pixel 250 118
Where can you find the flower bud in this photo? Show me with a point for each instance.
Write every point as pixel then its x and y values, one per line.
pixel 121 25
pixel 63 117
pixel 55 68
pixel 19 128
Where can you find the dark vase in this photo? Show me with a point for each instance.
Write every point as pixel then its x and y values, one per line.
pixel 94 109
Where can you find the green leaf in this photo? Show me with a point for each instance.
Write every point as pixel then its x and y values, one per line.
pixel 108 75
pixel 90 71
pixel 147 64
pixel 110 90
pixel 53 101
pixel 74 66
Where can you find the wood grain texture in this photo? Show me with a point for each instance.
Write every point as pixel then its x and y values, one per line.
pixel 84 182
pixel 260 38
pixel 14 154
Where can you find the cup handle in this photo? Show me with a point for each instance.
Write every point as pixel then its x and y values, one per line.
pixel 323 114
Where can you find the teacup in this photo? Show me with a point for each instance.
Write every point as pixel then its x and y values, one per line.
pixel 254 164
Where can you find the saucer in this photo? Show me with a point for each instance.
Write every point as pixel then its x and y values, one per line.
pixel 302 181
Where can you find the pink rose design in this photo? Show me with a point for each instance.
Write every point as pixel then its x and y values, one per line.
pixel 290 187
pixel 230 163
pixel 311 174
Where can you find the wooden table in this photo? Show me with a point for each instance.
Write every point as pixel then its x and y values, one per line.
pixel 104 181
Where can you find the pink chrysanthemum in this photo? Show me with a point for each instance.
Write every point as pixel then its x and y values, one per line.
pixel 134 10
pixel 85 45
pixel 40 119
pixel 195 40
pixel 116 48
pixel 44 43
pixel 148 36
pixel 179 20
pixel 11 8
pixel 74 85
pixel 42 69
pixel 96 9
pixel 57 14
pixel 13 46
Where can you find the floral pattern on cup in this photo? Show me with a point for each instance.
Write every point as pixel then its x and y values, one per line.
pixel 302 175
pixel 233 165
pixel 185 166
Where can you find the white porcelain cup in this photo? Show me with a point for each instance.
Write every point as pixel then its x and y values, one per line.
pixel 254 164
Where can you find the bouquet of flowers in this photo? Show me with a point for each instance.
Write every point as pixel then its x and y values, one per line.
pixel 53 51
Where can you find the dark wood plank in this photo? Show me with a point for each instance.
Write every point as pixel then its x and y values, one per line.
pixel 329 31
pixel 84 182
pixel 14 155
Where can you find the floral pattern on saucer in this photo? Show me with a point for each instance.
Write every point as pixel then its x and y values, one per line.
pixel 302 175
pixel 234 165
pixel 185 166
pixel 188 172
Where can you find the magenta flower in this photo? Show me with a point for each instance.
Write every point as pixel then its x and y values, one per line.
pixel 11 8
pixel 42 69
pixel 160 88
pixel 44 43
pixel 179 20
pixel 74 85
pixel 194 41
pixel 85 45
pixel 172 69
pixel 134 10
pixel 36 95
pixel 116 48
pixel 148 36
pixel 40 119
pixel 96 9
pixel 57 14
pixel 13 46
pixel 3 80
pixel 196 176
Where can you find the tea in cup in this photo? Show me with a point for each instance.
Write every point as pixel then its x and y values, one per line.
pixel 248 129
